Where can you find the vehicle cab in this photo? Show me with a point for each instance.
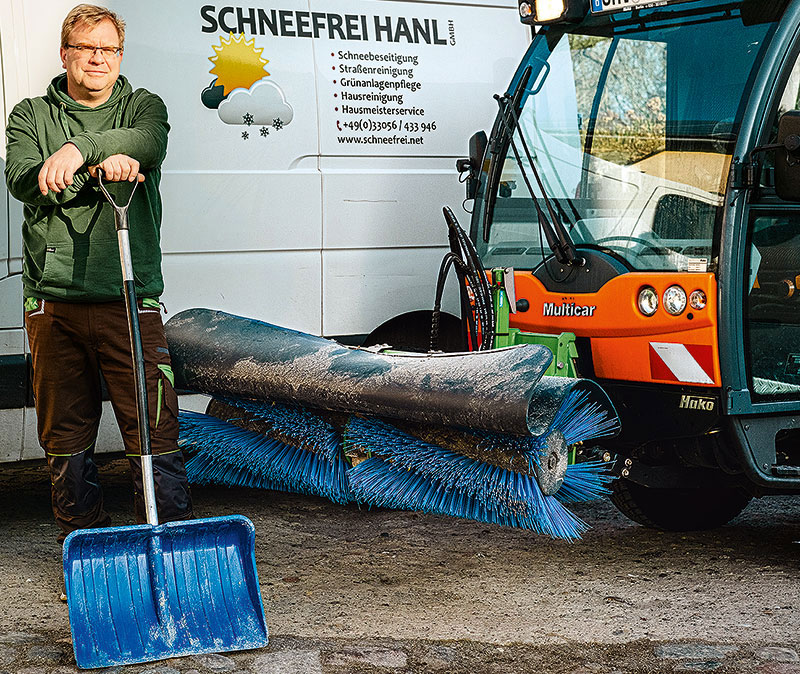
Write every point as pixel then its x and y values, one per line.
pixel 656 139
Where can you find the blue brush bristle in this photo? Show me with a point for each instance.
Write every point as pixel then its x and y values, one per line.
pixel 223 453
pixel 404 471
pixel 206 469
pixel 378 482
pixel 584 482
pixel 486 483
pixel 416 475
pixel 576 420
pixel 579 422
pixel 411 474
pixel 306 429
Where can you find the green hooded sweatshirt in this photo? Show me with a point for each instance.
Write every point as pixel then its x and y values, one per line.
pixel 70 244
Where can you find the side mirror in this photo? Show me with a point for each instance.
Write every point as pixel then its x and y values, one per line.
pixel 787 157
pixel 473 164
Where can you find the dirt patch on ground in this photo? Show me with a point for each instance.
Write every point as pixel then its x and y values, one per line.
pixel 340 575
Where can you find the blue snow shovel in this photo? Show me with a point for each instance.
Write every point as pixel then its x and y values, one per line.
pixel 151 591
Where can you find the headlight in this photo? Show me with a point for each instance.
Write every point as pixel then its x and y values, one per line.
pixel 675 300
pixel 648 300
pixel 547 10
pixel 697 300
pixel 534 12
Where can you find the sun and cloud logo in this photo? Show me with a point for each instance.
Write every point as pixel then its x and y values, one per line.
pixel 241 92
pixel 237 63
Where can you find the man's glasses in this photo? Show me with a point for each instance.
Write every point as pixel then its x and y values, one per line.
pixel 88 50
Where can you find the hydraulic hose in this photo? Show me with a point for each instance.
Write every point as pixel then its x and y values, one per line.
pixel 451 259
pixel 465 260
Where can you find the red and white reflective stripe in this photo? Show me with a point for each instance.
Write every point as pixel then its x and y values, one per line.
pixel 691 364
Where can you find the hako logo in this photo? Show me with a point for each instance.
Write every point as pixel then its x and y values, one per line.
pixel 242 94
pixel 697 403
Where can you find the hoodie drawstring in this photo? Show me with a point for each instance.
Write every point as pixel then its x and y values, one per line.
pixel 62 118
pixel 118 116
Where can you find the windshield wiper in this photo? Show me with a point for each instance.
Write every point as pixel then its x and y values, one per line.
pixel 558 239
pixel 499 135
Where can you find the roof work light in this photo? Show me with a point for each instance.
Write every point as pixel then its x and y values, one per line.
pixel 551 11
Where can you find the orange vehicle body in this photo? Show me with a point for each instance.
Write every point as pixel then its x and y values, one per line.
pixel 626 344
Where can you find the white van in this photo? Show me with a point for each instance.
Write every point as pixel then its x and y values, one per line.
pixel 312 148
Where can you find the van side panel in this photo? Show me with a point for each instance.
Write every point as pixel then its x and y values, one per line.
pixel 241 186
pixel 396 109
pixel 11 343
pixel 308 136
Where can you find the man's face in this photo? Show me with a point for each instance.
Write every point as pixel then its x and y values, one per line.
pixel 91 75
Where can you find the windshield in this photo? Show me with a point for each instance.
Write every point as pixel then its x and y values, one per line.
pixel 632 127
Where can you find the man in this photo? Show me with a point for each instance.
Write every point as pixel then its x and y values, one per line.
pixel 75 316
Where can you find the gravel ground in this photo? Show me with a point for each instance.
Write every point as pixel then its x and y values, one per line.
pixel 349 590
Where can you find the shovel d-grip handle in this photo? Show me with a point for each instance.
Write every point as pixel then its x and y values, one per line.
pixel 137 353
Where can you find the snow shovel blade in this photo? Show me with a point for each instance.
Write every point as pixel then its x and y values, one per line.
pixel 142 593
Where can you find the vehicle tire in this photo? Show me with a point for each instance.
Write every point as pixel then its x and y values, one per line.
pixel 674 509
pixel 412 332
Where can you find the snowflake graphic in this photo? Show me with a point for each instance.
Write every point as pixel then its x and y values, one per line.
pixel 264 131
pixel 245 135
pixel 247 118
pixel 277 123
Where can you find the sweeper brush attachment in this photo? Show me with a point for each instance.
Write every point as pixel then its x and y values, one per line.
pixel 272 446
pixel 481 435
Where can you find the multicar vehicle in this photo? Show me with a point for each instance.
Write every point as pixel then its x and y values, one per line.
pixel 642 179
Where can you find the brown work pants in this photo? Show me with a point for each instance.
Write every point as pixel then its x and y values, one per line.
pixel 71 345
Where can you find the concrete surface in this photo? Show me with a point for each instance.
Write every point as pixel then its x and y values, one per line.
pixel 349 590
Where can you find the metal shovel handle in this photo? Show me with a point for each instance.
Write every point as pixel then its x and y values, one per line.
pixel 137 353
